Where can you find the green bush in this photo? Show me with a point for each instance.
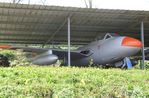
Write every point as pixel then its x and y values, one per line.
pixel 147 64
pixel 20 59
pixel 16 58
pixel 10 54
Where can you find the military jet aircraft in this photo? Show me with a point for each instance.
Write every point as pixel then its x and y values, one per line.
pixel 110 51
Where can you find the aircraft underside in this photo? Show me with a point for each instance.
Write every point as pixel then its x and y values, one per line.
pixel 123 63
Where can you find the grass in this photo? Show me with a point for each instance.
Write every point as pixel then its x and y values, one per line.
pixel 64 82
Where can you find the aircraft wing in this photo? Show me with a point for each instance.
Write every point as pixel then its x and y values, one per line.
pixel 29 49
pixel 139 55
pixel 59 52
pixel 146 51
pixel 146 54
pixel 64 53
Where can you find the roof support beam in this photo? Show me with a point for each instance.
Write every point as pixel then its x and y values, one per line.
pixel 69 41
pixel 57 41
pixel 142 39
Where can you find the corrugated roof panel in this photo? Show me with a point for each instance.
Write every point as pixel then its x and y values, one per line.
pixel 37 7
pixel 37 20
pixel 3 18
pixel 6 4
pixel 24 6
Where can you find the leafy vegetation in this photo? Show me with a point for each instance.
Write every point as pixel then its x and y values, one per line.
pixel 24 81
pixel 8 53
pixel 19 58
pixel 64 82
pixel 16 58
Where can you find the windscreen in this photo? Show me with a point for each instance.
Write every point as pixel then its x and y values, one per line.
pixel 106 36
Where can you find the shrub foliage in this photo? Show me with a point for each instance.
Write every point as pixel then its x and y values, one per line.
pixel 64 82
pixel 16 58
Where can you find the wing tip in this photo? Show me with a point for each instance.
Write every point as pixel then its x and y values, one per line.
pixel 5 46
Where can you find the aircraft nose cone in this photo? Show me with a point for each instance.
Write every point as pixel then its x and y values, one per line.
pixel 131 42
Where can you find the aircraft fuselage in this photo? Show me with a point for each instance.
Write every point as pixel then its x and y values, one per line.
pixel 108 51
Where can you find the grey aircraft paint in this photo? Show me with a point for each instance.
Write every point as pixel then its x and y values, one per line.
pixel 105 51
pixel 110 50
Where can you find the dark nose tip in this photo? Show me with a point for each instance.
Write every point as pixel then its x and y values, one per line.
pixel 132 42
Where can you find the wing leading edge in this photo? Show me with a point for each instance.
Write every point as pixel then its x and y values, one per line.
pixel 59 52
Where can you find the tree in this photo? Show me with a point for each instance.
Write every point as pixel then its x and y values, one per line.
pixel 88 3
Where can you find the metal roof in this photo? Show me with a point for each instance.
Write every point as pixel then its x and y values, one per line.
pixel 37 24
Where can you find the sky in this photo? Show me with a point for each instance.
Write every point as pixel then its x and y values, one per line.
pixel 106 4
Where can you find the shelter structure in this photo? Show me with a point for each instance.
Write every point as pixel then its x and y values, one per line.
pixel 40 24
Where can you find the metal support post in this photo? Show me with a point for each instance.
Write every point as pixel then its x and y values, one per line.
pixel 142 39
pixel 69 58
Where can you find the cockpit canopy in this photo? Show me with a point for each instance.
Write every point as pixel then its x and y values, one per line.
pixel 106 36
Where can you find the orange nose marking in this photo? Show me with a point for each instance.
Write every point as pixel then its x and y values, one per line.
pixel 128 41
